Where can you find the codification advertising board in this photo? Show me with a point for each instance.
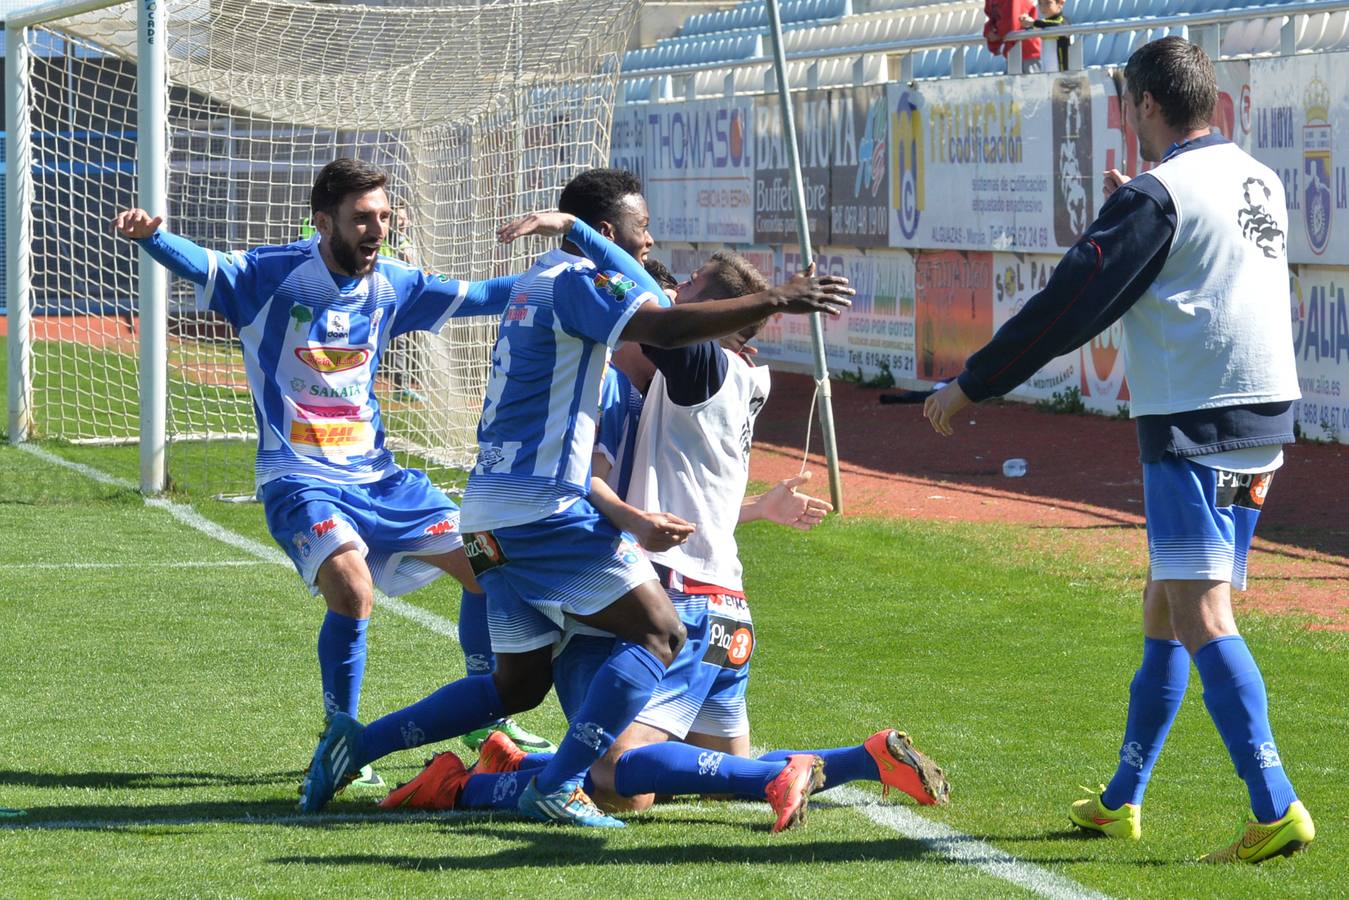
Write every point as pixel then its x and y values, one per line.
pixel 1301 126
pixel 774 200
pixel 859 185
pixel 997 163
pixel 696 161
pixel 1321 342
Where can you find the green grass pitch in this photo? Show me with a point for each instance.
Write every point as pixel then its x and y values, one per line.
pixel 161 697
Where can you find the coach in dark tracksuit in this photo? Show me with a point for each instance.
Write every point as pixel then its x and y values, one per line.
pixel 1191 256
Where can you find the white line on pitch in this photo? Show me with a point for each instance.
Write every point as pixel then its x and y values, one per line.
pixel 938 837
pixel 139 566
pixel 193 519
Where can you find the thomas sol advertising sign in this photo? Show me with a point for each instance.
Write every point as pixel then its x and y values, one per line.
pixel 699 170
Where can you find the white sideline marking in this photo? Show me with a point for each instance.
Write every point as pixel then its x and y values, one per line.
pixel 960 847
pixel 938 837
pixel 206 564
pixel 193 519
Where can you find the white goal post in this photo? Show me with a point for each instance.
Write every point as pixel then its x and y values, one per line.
pixel 218 114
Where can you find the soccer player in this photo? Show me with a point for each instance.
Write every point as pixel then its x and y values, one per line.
pixel 314 318
pixel 537 545
pixel 692 455
pixel 1192 256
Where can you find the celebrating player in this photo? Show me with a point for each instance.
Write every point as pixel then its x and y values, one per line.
pixel 1191 255
pixel 692 454
pixel 314 318
pixel 537 545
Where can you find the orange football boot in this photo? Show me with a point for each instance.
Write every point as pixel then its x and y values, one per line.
pixel 789 793
pixel 436 787
pixel 902 765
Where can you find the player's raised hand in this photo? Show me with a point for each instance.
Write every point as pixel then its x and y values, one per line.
pixel 1114 180
pixel 942 405
pixel 547 223
pixel 808 293
pixel 136 223
pixel 786 505
pixel 660 531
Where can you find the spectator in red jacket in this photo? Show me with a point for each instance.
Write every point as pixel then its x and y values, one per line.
pixel 1004 17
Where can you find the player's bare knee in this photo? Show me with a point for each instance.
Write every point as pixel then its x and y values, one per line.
pixel 521 688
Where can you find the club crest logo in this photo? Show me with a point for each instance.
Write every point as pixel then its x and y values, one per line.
pixel 1131 754
pixel 1316 165
pixel 710 762
pixel 906 162
pixel 506 786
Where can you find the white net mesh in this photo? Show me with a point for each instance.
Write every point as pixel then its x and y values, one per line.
pixel 479 112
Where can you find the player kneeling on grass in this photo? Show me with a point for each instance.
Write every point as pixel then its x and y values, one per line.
pixel 538 546
pixel 1191 256
pixel 314 318
pixel 691 457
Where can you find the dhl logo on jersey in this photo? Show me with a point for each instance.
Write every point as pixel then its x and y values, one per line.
pixel 329 434
pixel 332 359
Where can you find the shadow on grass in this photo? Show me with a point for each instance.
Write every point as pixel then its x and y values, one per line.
pixel 144 780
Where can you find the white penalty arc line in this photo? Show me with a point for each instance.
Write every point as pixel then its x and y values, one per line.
pixel 937 837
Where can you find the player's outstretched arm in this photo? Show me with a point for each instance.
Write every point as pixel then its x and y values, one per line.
pixel 656 531
pixel 784 504
pixel 604 253
pixel 175 253
pixel 691 323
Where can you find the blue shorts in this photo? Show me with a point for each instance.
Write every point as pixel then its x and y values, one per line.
pixel 574 562
pixel 392 522
pixel 703 691
pixel 1200 520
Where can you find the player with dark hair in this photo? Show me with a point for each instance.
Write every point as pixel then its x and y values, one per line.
pixel 692 455
pixel 537 545
pixel 1212 380
pixel 315 318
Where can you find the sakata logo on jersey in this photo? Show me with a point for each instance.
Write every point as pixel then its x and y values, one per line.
pixel 332 359
pixel 1316 163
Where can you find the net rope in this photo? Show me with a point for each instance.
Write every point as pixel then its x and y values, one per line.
pixel 478 111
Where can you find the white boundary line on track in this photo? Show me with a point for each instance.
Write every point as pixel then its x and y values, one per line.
pixel 935 836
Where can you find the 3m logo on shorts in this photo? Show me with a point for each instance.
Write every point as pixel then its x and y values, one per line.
pixel 483 551
pixel 332 359
pixel 328 434
pixel 1238 489
pixel 324 527
pixel 730 631
pixel 444 526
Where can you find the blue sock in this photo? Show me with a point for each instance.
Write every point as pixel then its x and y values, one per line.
pixel 675 768
pixel 1154 699
pixel 617 694
pixel 536 761
pixel 494 790
pixel 841 764
pixel 1234 693
pixel 342 662
pixel 457 708
pixel 474 635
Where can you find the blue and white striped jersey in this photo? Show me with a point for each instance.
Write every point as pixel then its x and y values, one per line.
pixel 616 434
pixel 312 341
pixel 537 430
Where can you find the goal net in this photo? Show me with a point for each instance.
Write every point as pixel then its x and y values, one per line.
pixel 479 111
